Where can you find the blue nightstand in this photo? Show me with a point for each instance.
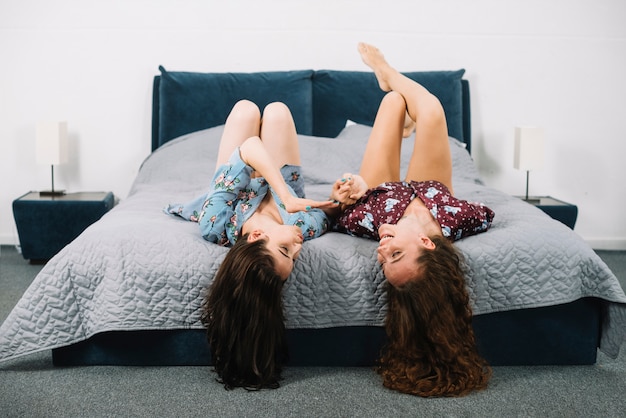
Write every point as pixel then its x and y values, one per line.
pixel 557 209
pixel 46 224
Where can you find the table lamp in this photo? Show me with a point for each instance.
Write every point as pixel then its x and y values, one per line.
pixel 52 149
pixel 528 151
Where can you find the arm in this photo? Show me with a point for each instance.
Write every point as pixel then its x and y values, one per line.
pixel 254 153
pixel 216 215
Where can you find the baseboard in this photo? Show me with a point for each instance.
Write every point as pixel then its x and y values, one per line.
pixel 9 239
pixel 612 244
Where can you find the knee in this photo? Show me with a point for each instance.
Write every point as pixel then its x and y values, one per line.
pixel 245 110
pixel 277 111
pixel 430 109
pixel 394 100
pixel 433 112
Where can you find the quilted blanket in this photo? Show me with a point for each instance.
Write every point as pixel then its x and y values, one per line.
pixel 139 269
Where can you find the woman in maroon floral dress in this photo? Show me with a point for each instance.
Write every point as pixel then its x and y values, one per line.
pixel 431 348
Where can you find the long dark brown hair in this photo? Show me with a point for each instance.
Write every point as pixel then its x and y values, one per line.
pixel 431 349
pixel 244 316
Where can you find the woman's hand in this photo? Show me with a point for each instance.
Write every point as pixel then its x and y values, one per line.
pixel 295 204
pixel 348 189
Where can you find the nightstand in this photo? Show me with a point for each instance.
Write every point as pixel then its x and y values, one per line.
pixel 46 224
pixel 556 209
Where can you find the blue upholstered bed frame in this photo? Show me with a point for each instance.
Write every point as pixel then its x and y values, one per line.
pixel 322 102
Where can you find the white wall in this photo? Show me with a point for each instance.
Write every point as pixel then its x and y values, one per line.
pixel 557 64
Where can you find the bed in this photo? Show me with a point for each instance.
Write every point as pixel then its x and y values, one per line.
pixel 127 291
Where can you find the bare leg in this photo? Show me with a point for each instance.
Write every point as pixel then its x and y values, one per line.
pixel 278 133
pixel 409 126
pixel 381 159
pixel 431 158
pixel 243 122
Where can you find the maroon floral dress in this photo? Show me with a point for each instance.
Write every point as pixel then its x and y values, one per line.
pixel 386 204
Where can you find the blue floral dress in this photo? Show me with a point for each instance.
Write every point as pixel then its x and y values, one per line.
pixel 234 196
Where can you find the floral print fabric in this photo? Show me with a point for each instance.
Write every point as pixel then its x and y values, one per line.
pixel 234 196
pixel 386 204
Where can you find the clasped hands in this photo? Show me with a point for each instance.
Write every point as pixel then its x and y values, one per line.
pixel 345 192
pixel 348 189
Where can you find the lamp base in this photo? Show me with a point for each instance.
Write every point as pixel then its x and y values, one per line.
pixel 52 193
pixel 532 200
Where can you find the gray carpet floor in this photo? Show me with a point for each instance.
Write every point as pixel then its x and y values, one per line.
pixel 33 387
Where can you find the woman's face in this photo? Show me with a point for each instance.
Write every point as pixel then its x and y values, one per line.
pixel 398 250
pixel 284 242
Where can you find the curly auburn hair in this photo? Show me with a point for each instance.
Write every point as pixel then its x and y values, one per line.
pixel 431 349
pixel 244 316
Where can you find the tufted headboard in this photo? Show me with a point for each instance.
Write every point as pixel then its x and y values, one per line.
pixel 321 101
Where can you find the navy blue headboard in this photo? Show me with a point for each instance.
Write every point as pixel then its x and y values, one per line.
pixel 321 101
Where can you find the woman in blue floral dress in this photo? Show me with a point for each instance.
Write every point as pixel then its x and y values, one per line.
pixel 257 190
pixel 256 205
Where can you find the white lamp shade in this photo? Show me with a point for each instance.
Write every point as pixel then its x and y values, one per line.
pixel 528 148
pixel 51 143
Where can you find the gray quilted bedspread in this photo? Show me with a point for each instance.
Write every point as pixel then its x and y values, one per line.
pixel 139 269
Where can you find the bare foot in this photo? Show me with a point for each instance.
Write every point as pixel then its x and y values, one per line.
pixel 409 126
pixel 374 59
